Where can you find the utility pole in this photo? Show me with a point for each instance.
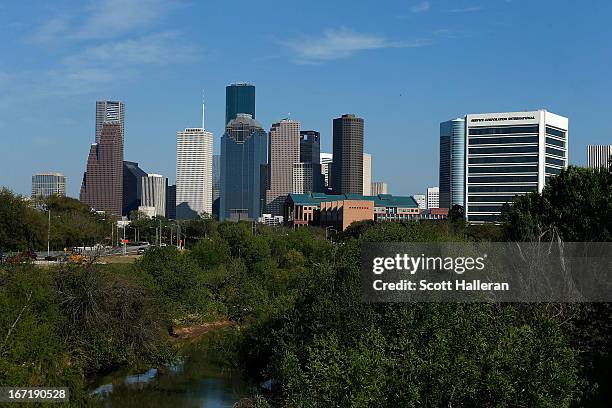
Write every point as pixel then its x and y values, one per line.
pixel 49 234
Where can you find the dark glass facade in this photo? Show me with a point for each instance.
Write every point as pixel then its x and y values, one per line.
pixel 310 146
pixel 132 175
pixel 243 167
pixel 310 152
pixel 171 202
pixel 239 98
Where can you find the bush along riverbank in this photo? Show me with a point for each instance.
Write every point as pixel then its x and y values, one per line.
pixel 69 324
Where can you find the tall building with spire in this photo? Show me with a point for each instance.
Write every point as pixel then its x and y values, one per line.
pixel 194 157
pixel 284 152
pixel 102 186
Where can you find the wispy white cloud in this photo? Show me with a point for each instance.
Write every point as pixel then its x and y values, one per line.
pixel 100 46
pixel 341 43
pixel 115 17
pixel 465 9
pixel 154 49
pixel 101 19
pixel 421 7
pixel 115 62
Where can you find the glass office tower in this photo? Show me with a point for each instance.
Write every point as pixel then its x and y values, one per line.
pixel 244 148
pixel 452 162
pixel 239 98
pixel 48 184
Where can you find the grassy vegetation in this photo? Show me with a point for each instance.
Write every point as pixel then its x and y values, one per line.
pixel 299 323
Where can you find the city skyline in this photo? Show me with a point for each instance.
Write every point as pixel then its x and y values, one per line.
pixel 359 63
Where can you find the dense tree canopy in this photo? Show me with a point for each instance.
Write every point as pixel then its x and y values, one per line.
pixel 576 205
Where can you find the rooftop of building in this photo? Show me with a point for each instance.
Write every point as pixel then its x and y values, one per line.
pixel 241 84
pixel 380 200
pixel 243 119
pixel 49 174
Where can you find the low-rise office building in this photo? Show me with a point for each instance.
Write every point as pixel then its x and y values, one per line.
pixel 340 210
pixel 48 184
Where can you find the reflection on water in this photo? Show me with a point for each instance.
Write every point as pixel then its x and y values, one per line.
pixel 196 382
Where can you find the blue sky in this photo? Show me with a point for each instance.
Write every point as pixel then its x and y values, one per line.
pixel 404 66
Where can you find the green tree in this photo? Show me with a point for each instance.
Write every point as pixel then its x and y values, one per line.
pixel 576 205
pixel 21 225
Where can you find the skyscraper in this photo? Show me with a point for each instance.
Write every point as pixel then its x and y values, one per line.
pixel 367 174
pixel 510 153
pixel 327 160
pixel 102 187
pixel 452 162
pixel 171 202
pixel 194 152
pixel 110 112
pixel 216 177
pixel 239 98
pixel 304 176
pixel 284 152
pixel 307 174
pixel 599 156
pixel 153 193
pixel 216 186
pixel 310 146
pixel 48 184
pixel 433 197
pixel 131 186
pixel 243 167
pixel 347 170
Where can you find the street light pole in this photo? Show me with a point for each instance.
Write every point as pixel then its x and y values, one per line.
pixel 49 234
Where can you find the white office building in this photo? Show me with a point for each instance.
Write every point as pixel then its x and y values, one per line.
pixel 421 200
pixel 379 187
pixel 271 220
pixel 433 197
pixel 153 193
pixel 508 154
pixel 367 174
pixel 194 157
pixel 48 184
pixel 599 156
pixel 327 160
pixel 149 212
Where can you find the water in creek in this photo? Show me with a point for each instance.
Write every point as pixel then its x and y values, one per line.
pixel 195 382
